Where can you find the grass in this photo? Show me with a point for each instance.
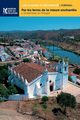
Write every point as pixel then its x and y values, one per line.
pixel 35 107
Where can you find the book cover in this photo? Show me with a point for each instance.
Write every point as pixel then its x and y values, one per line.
pixel 39 59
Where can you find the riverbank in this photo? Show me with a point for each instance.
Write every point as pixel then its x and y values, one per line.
pixel 63 53
pixel 69 47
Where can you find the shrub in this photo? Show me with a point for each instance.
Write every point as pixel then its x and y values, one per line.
pixel 1 100
pixel 44 99
pixel 3 73
pixel 70 79
pixel 3 91
pixel 44 105
pixel 66 100
pixel 12 90
pixel 77 71
pixel 35 107
pixel 26 60
pixel 16 63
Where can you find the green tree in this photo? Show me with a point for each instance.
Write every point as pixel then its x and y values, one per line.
pixel 66 100
pixel 44 99
pixel 77 71
pixel 26 60
pixel 44 106
pixel 3 73
pixel 70 79
pixel 16 63
pixel 12 90
pixel 3 91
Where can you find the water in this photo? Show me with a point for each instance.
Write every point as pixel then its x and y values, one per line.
pixel 73 58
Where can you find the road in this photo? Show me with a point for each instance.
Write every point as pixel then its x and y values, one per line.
pixel 13 61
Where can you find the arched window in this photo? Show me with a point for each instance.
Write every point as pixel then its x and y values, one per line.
pixel 41 84
pixel 50 81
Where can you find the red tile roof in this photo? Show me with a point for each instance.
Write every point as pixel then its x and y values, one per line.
pixel 30 71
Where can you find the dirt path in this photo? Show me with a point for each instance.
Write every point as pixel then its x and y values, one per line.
pixel 8 112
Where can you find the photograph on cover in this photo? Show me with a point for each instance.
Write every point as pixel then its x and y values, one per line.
pixel 39 68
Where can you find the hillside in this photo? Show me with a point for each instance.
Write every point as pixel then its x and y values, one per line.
pixel 43 34
pixel 68 39
pixel 9 111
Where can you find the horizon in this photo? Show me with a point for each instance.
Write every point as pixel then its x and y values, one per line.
pixel 38 23
pixel 40 30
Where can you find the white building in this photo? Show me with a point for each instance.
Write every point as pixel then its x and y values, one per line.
pixel 37 80
pixel 3 55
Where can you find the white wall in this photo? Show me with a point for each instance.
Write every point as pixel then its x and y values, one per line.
pixel 32 87
pixel 43 79
pixel 15 80
pixel 59 78
pixel 17 97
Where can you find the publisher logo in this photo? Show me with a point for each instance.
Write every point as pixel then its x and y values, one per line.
pixel 9 8
pixel 10 11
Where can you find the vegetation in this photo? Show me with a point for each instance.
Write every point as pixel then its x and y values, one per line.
pixel 44 106
pixel 35 107
pixel 2 40
pixel 77 71
pixel 60 35
pixel 3 73
pixel 49 111
pixel 16 63
pixel 5 88
pixel 70 79
pixel 57 58
pixel 26 60
pixel 12 90
pixel 54 57
pixel 67 39
pixel 44 99
pixel 66 100
pixel 3 91
pixel 1 99
pixel 11 51
pixel 3 80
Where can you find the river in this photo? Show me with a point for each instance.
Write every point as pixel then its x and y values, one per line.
pixel 73 58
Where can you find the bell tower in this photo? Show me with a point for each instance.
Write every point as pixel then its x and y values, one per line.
pixel 62 68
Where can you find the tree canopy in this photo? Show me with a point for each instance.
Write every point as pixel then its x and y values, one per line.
pixel 77 71
pixel 26 60
pixel 44 98
pixel 66 100
pixel 3 73
pixel 12 90
pixel 3 91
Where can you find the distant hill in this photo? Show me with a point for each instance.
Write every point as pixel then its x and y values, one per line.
pixel 42 34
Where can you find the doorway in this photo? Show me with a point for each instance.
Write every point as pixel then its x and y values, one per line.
pixel 51 87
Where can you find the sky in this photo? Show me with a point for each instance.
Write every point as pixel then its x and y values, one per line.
pixel 38 23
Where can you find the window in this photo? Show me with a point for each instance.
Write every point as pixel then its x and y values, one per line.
pixel 41 84
pixel 50 81
pixel 65 68
pixel 51 88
